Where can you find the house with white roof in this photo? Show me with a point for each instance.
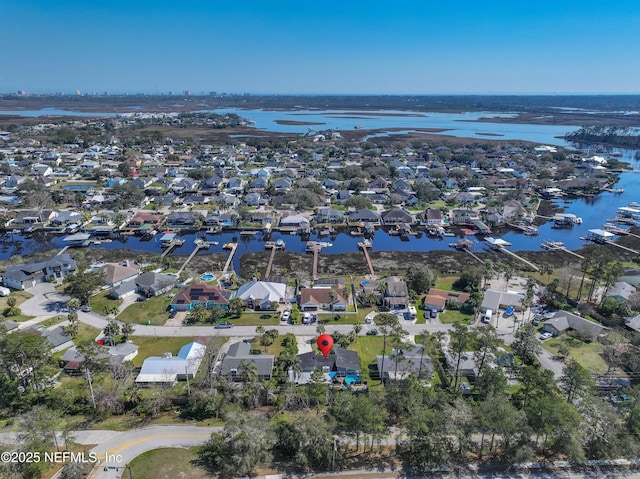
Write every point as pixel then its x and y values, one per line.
pixel 260 294
pixel 168 369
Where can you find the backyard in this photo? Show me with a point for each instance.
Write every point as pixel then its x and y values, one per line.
pixel 588 355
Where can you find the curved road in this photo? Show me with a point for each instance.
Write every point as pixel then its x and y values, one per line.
pixel 118 450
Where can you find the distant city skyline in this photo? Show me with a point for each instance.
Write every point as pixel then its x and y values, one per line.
pixel 292 47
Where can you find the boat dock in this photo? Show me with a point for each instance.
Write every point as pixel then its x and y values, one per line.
pixel 365 245
pixel 602 236
pixel 169 247
pixel 232 247
pixel 200 244
pixel 559 246
pixel 273 246
pixel 520 258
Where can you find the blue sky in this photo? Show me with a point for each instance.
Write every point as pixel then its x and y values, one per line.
pixel 298 46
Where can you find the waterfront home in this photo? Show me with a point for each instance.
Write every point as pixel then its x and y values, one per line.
pixel 27 275
pixel 168 369
pixel 200 294
pixel 182 218
pixel 402 363
pixel 433 217
pixel 294 221
pixel 395 217
pixel 260 295
pixel 364 216
pixel 115 273
pixel 341 362
pixel 329 215
pixel 65 218
pixel 154 284
pixel 323 299
pixel 145 218
pixel 239 357
pixel 563 322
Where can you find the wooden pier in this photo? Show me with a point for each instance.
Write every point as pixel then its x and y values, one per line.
pixel 365 245
pixel 233 248
pixel 559 246
pixel 200 244
pixel 316 253
pixel 273 248
pixel 171 246
pixel 621 247
pixel 519 258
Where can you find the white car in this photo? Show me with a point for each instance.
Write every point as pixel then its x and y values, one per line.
pixel 286 315
pixel 545 335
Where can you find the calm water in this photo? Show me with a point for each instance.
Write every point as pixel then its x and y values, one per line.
pixel 464 125
pixel 594 211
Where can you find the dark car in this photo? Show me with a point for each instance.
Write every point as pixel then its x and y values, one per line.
pixel 372 332
pixel 224 325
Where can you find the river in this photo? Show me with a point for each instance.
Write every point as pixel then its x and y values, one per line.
pixel 593 210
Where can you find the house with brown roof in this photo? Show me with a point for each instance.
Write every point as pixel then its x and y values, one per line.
pixel 145 218
pixel 203 294
pixel 437 299
pixel 327 299
pixel 115 273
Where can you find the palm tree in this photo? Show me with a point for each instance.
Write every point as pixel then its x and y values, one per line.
pixel 357 327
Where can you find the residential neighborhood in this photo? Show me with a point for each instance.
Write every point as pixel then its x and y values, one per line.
pixel 182 281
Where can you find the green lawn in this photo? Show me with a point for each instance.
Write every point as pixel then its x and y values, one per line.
pixel 255 319
pixel 86 334
pixel 153 309
pixel 21 297
pixel 588 355
pixel 53 321
pixel 166 464
pixel 445 282
pixel 368 347
pixel 452 317
pixel 151 346
pixel 100 301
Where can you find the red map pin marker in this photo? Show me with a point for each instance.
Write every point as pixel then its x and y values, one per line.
pixel 324 344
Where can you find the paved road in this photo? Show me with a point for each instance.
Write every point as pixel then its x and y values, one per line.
pixel 118 450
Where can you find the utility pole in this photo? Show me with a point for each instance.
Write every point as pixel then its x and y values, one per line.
pixel 93 398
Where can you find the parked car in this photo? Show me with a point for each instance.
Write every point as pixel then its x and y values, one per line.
pixel 85 308
pixel 537 319
pixel 307 318
pixel 286 315
pixel 372 332
pixel 545 335
pixel 224 325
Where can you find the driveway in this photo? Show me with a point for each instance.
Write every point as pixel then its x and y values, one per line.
pixel 43 304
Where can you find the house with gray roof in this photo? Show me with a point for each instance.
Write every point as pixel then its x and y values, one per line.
pixel 71 361
pixel 402 363
pixel 27 275
pixel 154 284
pixel 563 322
pixel 342 362
pixel 239 354
pixel 57 338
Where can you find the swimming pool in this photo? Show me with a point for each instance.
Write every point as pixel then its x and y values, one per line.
pixel 208 277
